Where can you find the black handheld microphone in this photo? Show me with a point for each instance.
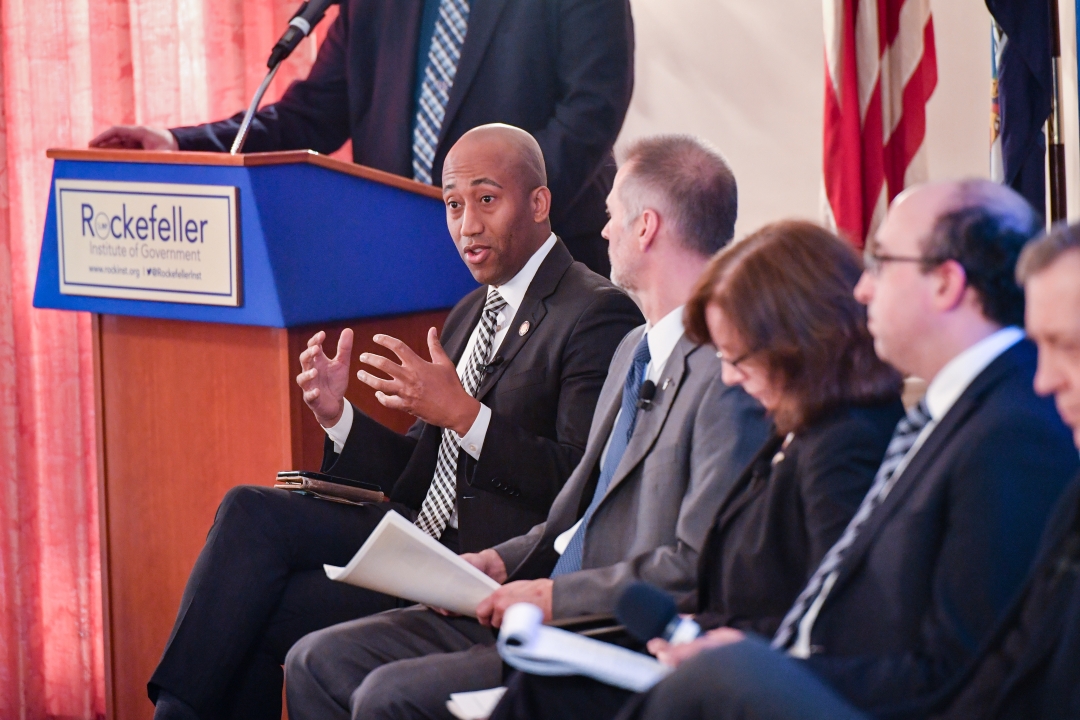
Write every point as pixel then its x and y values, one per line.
pixel 645 397
pixel 648 613
pixel 307 17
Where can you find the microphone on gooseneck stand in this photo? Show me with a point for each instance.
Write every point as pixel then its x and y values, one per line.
pixel 306 18
pixel 645 397
pixel 648 613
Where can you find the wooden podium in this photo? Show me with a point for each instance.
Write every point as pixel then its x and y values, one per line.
pixel 193 399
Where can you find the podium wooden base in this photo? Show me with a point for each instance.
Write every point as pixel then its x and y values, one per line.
pixel 187 410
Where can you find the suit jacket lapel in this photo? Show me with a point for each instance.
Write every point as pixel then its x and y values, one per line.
pixel 1046 638
pixel 483 17
pixel 737 495
pixel 455 343
pixel 607 408
pixel 651 422
pixel 931 451
pixel 571 502
pixel 532 309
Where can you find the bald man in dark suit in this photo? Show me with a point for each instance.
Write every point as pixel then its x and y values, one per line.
pixel 503 413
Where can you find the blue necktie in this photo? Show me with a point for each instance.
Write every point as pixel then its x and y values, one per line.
pixel 620 439
pixel 450 29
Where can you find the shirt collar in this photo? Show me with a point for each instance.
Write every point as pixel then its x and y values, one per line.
pixel 664 336
pixel 953 379
pixel 513 290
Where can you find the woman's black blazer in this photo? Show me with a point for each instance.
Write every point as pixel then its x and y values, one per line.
pixel 785 511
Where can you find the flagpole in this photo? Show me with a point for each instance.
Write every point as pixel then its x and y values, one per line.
pixel 1055 141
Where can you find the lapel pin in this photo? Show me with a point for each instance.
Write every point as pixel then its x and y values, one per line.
pixel 524 328
pixel 667 382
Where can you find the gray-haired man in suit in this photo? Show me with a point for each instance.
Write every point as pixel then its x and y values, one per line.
pixel 639 504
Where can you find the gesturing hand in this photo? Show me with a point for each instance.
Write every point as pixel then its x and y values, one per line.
pixel 430 391
pixel 324 380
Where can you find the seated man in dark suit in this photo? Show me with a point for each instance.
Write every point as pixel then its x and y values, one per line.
pixel 1030 670
pixel 639 504
pixel 404 79
pixel 502 419
pixel 902 603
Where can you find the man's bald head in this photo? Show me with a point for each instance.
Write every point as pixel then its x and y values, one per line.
pixel 940 272
pixel 520 153
pixel 497 200
pixel 1003 203
pixel 983 226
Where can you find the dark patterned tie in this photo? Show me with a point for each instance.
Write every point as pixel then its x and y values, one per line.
pixel 442 494
pixel 450 29
pixel 620 439
pixel 904 437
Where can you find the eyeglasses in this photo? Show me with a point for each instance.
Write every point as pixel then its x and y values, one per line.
pixel 873 261
pixel 735 363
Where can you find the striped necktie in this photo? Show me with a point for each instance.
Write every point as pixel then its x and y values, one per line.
pixel 442 494
pixel 903 439
pixel 620 439
pixel 442 63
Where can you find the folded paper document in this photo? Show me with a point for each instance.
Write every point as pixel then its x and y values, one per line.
pixel 527 644
pixel 402 560
pixel 476 705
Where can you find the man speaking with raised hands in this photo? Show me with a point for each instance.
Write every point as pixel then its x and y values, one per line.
pixel 503 413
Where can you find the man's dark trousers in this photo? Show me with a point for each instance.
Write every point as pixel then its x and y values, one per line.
pixel 258 585
pixel 263 559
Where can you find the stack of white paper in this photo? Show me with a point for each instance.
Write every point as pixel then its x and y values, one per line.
pixel 528 645
pixel 402 560
pixel 474 705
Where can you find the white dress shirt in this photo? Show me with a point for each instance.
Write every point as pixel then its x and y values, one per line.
pixel 513 292
pixel 662 338
pixel 941 394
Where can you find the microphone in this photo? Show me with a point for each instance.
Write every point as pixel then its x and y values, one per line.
pixel 645 397
pixel 495 362
pixel 308 16
pixel 648 613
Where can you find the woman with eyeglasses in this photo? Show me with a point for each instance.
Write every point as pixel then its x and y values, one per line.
pixel 779 308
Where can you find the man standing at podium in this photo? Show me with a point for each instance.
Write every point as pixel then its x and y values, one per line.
pixel 404 79
pixel 503 414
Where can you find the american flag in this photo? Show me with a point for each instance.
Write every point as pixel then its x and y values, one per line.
pixel 881 69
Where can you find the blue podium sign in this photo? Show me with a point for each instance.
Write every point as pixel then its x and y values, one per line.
pixel 272 239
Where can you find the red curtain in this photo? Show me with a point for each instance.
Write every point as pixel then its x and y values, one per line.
pixel 69 69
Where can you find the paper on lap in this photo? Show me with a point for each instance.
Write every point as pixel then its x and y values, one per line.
pixel 474 705
pixel 526 644
pixel 402 560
